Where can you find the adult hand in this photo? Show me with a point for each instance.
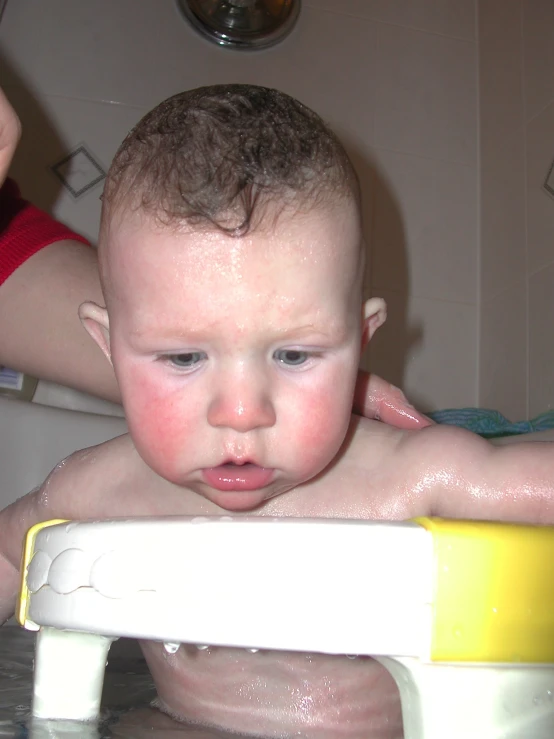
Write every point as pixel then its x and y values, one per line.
pixel 376 398
pixel 10 132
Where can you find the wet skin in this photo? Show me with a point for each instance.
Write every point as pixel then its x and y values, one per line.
pixel 381 473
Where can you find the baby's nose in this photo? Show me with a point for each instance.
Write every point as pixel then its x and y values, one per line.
pixel 243 405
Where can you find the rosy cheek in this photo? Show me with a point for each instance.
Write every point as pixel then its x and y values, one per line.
pixel 319 425
pixel 155 422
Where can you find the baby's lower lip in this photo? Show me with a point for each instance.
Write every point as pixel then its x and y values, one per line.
pixel 235 477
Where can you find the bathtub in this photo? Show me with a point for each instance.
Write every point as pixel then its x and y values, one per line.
pixel 34 438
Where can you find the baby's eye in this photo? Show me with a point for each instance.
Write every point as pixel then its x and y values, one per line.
pixel 291 357
pixel 186 360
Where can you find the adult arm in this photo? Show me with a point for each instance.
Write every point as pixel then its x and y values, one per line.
pixel 41 333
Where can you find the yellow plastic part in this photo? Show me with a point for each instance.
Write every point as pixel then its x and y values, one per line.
pixel 28 552
pixel 494 591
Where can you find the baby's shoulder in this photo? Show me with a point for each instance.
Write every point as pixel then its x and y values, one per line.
pixel 442 441
pixel 398 452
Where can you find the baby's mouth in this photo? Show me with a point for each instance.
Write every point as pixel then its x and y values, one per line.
pixel 237 477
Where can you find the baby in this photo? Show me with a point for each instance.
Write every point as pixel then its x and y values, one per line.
pixel 231 259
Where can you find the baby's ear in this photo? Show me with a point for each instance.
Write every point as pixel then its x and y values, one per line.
pixel 374 314
pixel 95 319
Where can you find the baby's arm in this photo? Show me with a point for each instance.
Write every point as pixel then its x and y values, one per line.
pixel 105 481
pixel 382 473
pixel 459 474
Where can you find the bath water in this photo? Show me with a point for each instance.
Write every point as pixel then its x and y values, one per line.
pixel 128 692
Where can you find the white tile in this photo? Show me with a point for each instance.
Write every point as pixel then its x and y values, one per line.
pixel 501 100
pixel 541 343
pixel 140 53
pixel 52 127
pixel 503 239
pixel 426 95
pixel 540 205
pixel 425 228
pixel 103 50
pixel 130 52
pixel 503 352
pixel 538 39
pixel 454 18
pixel 500 20
pixel 23 44
pixel 429 348
pixel 329 64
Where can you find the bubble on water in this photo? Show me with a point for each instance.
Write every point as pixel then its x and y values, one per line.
pixel 202 647
pixel 171 647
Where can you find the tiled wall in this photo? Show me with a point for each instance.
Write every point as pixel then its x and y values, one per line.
pixel 396 78
pixel 516 47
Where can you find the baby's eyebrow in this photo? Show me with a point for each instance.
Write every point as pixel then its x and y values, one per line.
pixel 142 332
pixel 303 329
pixel 327 329
pixel 143 336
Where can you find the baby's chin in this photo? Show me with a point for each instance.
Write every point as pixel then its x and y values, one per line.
pixel 243 500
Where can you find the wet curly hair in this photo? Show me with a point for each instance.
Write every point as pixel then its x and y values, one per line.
pixel 217 156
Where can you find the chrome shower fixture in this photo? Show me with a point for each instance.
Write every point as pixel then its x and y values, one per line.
pixel 242 24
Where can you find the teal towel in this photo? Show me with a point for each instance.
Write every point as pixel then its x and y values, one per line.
pixel 491 424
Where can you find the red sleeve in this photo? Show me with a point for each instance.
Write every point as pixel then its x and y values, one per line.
pixel 24 230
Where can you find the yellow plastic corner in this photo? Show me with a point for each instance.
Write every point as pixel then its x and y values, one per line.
pixel 28 552
pixel 494 591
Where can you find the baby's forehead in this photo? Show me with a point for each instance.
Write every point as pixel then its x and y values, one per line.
pixel 299 264
pixel 327 233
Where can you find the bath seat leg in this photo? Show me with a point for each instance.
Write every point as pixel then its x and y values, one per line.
pixel 479 701
pixel 69 674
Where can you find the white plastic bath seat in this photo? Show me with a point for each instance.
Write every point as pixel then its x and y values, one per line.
pixel 461 613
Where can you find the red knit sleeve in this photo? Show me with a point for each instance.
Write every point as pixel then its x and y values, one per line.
pixel 24 230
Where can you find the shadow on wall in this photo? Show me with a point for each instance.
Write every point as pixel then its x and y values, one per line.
pixel 39 135
pixel 397 339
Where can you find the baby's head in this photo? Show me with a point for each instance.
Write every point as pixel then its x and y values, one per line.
pixel 231 260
